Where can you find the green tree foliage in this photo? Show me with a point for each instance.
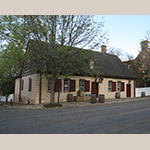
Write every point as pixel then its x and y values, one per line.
pixel 55 54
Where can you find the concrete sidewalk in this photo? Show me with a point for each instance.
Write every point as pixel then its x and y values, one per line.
pixel 79 104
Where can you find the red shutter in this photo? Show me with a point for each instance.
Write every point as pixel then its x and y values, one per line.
pixel 30 84
pixel 122 86
pixel 58 85
pixel 72 85
pixel 113 86
pixel 87 86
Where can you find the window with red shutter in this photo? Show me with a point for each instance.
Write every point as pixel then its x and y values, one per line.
pixel 58 85
pixel 113 86
pixel 72 85
pixel 87 86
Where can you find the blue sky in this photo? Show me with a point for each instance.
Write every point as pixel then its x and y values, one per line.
pixel 126 31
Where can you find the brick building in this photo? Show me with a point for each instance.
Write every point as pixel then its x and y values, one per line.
pixel 142 64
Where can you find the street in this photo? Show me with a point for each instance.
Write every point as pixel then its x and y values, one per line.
pixel 121 118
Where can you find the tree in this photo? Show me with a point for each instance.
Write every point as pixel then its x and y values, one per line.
pixel 10 61
pixel 122 55
pixel 58 55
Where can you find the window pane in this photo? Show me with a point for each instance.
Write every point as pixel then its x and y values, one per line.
pixel 109 85
pixel 66 85
pixel 81 85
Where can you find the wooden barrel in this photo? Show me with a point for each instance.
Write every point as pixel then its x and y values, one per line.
pixel 118 95
pixel 101 98
pixel 70 98
pixel 93 98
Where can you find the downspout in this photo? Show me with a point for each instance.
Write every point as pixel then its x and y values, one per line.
pixel 20 88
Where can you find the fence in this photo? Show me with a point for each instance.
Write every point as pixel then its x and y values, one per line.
pixel 3 98
pixel 140 90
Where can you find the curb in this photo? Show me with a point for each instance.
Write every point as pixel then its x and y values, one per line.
pixel 76 104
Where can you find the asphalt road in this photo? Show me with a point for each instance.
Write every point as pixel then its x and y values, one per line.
pixel 120 118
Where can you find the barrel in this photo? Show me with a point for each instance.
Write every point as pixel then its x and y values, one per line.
pixel 118 95
pixel 101 98
pixel 93 98
pixel 70 98
pixel 142 94
pixel 80 93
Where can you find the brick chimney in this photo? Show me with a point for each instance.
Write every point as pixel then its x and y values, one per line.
pixel 103 48
pixel 50 38
pixel 144 45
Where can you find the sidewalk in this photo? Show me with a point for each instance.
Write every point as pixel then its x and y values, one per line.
pixel 76 104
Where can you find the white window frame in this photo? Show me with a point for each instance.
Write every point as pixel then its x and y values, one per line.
pixel 91 64
pixel 66 85
pixel 119 86
pixel 81 85
pixel 109 86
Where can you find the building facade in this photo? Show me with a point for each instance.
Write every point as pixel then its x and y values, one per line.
pixel 114 78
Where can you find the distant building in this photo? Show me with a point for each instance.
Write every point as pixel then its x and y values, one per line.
pixel 142 63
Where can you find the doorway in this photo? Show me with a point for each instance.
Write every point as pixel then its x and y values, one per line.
pixel 95 88
pixel 128 90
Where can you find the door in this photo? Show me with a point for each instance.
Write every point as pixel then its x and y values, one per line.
pixel 95 88
pixel 128 90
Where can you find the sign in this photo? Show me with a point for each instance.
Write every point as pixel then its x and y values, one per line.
pixel 100 80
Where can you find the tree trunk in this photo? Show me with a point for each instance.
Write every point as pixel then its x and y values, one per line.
pixel 52 92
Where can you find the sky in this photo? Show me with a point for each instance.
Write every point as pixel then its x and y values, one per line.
pixel 126 31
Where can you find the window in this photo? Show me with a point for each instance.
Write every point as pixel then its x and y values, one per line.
pixel 57 86
pixel 30 84
pixel 69 85
pixel 66 85
pixel 143 56
pixel 22 84
pixel 109 86
pixel 91 64
pixel 81 85
pixel 143 65
pixel 118 86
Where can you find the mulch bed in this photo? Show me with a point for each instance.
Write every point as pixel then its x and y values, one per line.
pixel 52 105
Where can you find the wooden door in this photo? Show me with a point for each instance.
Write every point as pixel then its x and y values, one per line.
pixel 128 90
pixel 95 88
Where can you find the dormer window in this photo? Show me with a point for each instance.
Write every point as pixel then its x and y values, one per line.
pixel 91 64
